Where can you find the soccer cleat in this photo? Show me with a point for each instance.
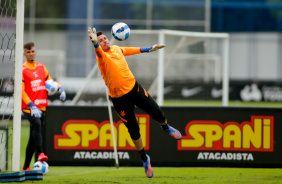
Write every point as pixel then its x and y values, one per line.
pixel 173 133
pixel 42 157
pixel 27 169
pixel 148 169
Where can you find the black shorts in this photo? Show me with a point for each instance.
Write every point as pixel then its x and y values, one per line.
pixel 139 97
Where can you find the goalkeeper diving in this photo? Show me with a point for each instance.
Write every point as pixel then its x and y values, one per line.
pixel 125 92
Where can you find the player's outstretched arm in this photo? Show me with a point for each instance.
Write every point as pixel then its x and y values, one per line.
pixel 152 48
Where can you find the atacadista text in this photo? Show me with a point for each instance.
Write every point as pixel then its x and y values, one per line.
pixel 100 155
pixel 225 156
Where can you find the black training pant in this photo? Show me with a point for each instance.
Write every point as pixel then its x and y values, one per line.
pixel 34 144
pixel 125 105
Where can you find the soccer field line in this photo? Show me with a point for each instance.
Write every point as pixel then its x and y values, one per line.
pixel 119 169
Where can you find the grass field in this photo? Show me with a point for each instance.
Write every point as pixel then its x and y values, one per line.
pixel 165 175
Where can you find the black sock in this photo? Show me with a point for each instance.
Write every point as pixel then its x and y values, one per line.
pixel 143 155
pixel 165 126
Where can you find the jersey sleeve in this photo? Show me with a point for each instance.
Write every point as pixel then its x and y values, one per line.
pixel 47 76
pixel 99 52
pixel 130 50
pixel 100 55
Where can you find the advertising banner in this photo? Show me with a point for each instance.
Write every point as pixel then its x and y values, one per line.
pixel 212 136
pixel 245 90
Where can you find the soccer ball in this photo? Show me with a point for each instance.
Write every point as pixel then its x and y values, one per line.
pixel 120 31
pixel 51 87
pixel 41 166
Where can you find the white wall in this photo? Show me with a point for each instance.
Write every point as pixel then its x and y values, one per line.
pixel 255 56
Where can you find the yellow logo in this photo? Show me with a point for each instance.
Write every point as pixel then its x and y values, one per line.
pixel 256 135
pixel 91 135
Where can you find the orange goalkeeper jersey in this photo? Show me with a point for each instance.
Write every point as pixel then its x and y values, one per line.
pixel 114 69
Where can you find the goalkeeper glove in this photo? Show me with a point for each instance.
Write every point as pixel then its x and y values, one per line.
pixel 34 111
pixel 63 94
pixel 93 36
pixel 152 48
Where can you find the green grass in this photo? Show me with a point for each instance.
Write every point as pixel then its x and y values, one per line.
pixel 162 175
pixel 165 175
pixel 24 140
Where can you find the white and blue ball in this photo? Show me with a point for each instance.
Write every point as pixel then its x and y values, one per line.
pixel 41 166
pixel 51 87
pixel 120 31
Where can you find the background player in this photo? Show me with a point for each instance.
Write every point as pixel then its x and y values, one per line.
pixel 34 102
pixel 125 92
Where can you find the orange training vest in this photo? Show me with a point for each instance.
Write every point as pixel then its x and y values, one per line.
pixel 35 85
